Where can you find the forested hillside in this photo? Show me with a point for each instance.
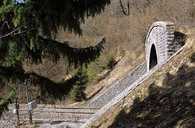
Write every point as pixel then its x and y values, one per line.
pixel 62 49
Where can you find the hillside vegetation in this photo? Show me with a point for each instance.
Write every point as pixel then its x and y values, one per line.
pixel 124 32
pixel 165 107
pixel 169 102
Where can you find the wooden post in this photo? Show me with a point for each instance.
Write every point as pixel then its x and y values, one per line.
pixel 17 111
pixel 28 100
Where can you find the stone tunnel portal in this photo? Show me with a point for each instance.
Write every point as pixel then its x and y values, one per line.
pixel 160 44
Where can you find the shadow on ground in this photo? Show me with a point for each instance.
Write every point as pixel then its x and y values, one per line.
pixel 42 88
pixel 172 106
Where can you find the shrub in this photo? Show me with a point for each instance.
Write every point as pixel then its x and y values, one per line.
pixel 192 58
pixel 77 93
pixel 111 63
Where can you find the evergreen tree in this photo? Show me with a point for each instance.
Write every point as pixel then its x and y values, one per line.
pixel 28 29
pixel 77 93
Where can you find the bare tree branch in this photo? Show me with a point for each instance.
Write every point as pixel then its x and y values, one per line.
pixel 125 10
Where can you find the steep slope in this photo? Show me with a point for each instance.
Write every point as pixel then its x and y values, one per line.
pixel 122 33
pixel 164 100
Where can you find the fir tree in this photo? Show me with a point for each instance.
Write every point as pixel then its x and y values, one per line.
pixel 77 93
pixel 28 29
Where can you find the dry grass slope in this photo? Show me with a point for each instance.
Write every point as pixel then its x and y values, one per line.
pixel 164 100
pixel 169 100
pixel 165 107
pixel 124 34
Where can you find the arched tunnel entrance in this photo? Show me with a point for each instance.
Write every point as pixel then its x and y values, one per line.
pixel 153 57
pixel 160 43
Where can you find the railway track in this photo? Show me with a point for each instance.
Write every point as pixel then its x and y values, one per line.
pixel 47 116
pixel 117 87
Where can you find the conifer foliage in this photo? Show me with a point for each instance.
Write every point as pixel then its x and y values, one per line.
pixel 28 29
pixel 27 23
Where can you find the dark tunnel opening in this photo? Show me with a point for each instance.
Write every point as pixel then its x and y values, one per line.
pixel 153 57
